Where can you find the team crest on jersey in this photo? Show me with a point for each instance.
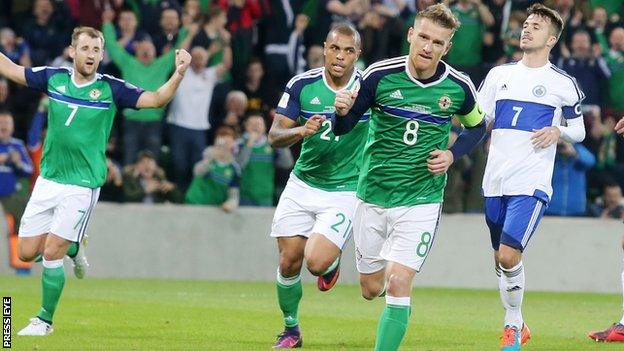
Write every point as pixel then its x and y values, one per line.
pixel 227 173
pixel 539 91
pixel 94 94
pixel 445 102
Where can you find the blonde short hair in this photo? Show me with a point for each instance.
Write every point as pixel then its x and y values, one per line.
pixel 90 31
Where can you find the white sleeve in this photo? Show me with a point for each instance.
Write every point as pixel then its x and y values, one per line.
pixel 486 96
pixel 574 132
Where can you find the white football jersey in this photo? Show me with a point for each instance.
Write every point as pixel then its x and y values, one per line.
pixel 518 100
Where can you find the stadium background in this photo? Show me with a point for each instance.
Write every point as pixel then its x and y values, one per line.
pixel 272 40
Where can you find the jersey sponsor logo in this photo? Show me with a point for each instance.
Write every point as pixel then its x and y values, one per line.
pixel 315 101
pixel 284 100
pixel 445 102
pixel 539 91
pixel 396 94
pixel 95 93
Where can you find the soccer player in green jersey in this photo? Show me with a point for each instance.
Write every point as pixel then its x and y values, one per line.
pixel 82 106
pixel 314 216
pixel 402 178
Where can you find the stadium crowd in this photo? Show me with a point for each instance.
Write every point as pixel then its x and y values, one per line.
pixel 209 146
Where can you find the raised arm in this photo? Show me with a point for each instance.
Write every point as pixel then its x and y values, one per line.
pixel 11 70
pixel 160 97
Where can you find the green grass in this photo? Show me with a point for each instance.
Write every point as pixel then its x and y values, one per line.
pixel 109 314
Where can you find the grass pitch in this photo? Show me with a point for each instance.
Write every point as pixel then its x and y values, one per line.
pixel 110 314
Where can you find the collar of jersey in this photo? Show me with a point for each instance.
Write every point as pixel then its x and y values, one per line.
pixel 353 75
pixel 95 78
pixel 437 77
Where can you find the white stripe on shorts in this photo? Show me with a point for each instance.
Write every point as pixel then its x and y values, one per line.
pixel 530 227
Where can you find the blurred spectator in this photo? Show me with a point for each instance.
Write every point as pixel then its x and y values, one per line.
pixel 381 29
pixel 14 163
pixel 610 204
pixel 589 68
pixel 89 12
pixel 242 16
pixel 615 60
pixel 330 11
pixel 142 128
pixel 598 27
pixel 216 175
pixel 14 48
pixel 569 182
pixel 282 31
pixel 149 12
pixel 145 182
pixel 192 12
pixel 188 113
pixel 46 34
pixel 465 54
pixel 260 99
pixel 213 36
pixel 112 190
pixel 315 59
pixel 493 50
pixel 63 60
pixel 167 36
pixel 5 102
pixel 235 110
pixel 127 33
pixel 511 36
pixel 257 160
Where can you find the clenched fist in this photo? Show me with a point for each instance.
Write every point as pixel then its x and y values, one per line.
pixel 312 125
pixel 344 100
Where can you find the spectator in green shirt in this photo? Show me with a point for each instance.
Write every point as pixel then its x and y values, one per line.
pixel 216 176
pixel 142 128
pixel 257 160
pixel 615 61
pixel 465 54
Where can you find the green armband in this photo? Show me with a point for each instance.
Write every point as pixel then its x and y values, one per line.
pixel 473 118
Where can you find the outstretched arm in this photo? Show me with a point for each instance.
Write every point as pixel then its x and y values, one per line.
pixel 11 70
pixel 160 97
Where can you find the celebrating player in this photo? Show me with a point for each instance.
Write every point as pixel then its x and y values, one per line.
pixel 82 106
pixel 615 333
pixel 402 180
pixel 314 216
pixel 525 102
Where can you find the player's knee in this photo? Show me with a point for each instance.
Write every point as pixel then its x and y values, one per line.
pixel 25 252
pixel 289 264
pixel 370 291
pixel 398 284
pixel 317 265
pixel 53 252
pixel 508 259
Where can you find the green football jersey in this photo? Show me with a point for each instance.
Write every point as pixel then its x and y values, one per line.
pixel 80 118
pixel 326 161
pixel 212 188
pixel 410 118
pixel 258 175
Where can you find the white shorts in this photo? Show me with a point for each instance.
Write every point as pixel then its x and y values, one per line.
pixel 60 209
pixel 399 234
pixel 304 210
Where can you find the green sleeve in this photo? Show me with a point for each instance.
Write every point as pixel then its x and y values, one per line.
pixel 472 118
pixel 118 54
